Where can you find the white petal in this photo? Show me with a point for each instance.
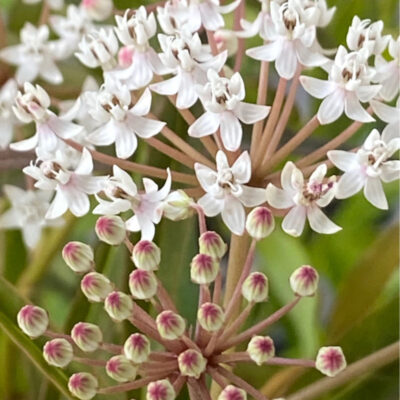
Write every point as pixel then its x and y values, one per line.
pixel 293 223
pixel 234 215
pixel 207 124
pixel 210 17
pixel 278 198
pixel 62 128
pixel 385 112
pixel 187 94
pixel 149 185
pixel 390 171
pixel 354 110
pixel 344 160
pixel 31 234
pixel 127 183
pixel 228 8
pixel 147 228
pixel 132 224
pixel 167 87
pixel 6 129
pixel 221 160
pixel 25 145
pixel 78 202
pixel 105 134
pixel 48 140
pixel 251 113
pixel 267 52
pixel 142 106
pixel 374 193
pixel 50 72
pixel 286 63
pixel 367 93
pixel 350 183
pixel 332 107
pixel 58 206
pixel 319 222
pixel 231 131
pixel 85 166
pixel 125 143
pixel 205 175
pixel 241 168
pixel 318 88
pixel 286 176
pixel 309 57
pixel 253 196
pixel 319 173
pixel 9 219
pixel 144 127
pixel 210 205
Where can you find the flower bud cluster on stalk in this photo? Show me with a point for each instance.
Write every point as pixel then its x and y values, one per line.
pixel 181 51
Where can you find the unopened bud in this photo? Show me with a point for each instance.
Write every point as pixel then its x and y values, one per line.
pixel 226 40
pixel 170 325
pixel 304 281
pixel 98 10
pixel 83 385
pixel 111 229
pixel 33 320
pixel 210 316
pixel 78 256
pixel 204 269
pixel 119 306
pixel 232 393
pixel 146 255
pixel 191 363
pixel 261 349
pixel 211 243
pixel 137 348
pixel 178 206
pixel 330 360
pixel 160 390
pixel 96 286
pixel 142 284
pixel 121 369
pixel 58 352
pixel 260 223
pixel 86 336
pixel 255 287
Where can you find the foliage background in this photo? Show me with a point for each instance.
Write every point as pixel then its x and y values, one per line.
pixel 357 305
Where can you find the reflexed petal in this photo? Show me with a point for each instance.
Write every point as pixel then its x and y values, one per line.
pixel 9 219
pixel 391 131
pixel 221 160
pixel 278 198
pixel 132 224
pixel 48 140
pixel 210 17
pixel 144 127
pixel 228 8
pixel 350 183
pixel 142 106
pixel 344 160
pixel 167 87
pixel 332 107
pixel 366 93
pixel 309 57
pixel 149 185
pixel 31 234
pixel 319 173
pixel 105 134
pixel 50 72
pixel 6 129
pixel 25 145
pixel 205 175
pixel 210 205
pixel 85 166
pixel 187 94
pixel 231 131
pixel 293 223
pixel 390 171
pixel 374 193
pixel 319 222
pixel 58 206
pixel 251 113
pixel 318 88
pixel 286 175
pixel 354 110
pixel 385 112
pixel 126 180
pixel 78 202
pixel 241 168
pixel 234 216
pixel 207 124
pixel 125 143
pixel 253 196
pixel 286 63
pixel 267 52
pixel 27 73
pixel 64 129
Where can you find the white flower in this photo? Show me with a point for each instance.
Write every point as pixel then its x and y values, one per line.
pixel 27 212
pixel 349 84
pixel 174 17
pixel 98 10
pixel 189 60
pixel 222 99
pixel 227 193
pixel 304 198
pixel 123 195
pixel 35 55
pixel 120 123
pixel 389 114
pixel 290 39
pixel 316 12
pixel 53 4
pixel 388 72
pixel 32 105
pixel 369 166
pixel 134 30
pixel 8 92
pixel 98 48
pixel 72 187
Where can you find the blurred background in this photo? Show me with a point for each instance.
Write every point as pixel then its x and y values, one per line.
pixel 357 305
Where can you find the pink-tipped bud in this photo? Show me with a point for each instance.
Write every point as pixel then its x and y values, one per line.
pixel 78 256
pixel 83 385
pixel 33 320
pixel 232 393
pixel 121 369
pixel 86 336
pixel 204 269
pixel 160 390
pixel 146 255
pixel 142 284
pixel 178 206
pixel 330 360
pixel 96 286
pixel 119 306
pixel 98 10
pixel 261 349
pixel 170 325
pixel 125 56
pixel 255 288
pixel 304 281
pixel 260 223
pixel 210 316
pixel 58 352
pixel 137 348
pixel 211 243
pixel 191 363
pixel 111 229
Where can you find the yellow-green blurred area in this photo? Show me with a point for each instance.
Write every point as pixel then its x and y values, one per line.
pixel 357 304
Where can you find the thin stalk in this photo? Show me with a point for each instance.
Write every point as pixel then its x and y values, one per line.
pixel 161 356
pixel 165 300
pixel 217 377
pixel 90 361
pixel 239 14
pixel 212 42
pixel 198 390
pixel 178 383
pixel 217 288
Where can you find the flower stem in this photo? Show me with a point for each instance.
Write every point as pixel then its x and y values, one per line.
pixel 239 14
pixel 89 361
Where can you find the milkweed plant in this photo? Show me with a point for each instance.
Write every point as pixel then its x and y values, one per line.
pixel 181 52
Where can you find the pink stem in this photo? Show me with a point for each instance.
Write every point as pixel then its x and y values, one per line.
pixel 89 361
pixel 217 377
pixel 239 14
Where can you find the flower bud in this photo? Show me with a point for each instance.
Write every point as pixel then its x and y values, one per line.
pixel 142 284
pixel 160 390
pixel 137 348
pixel 83 385
pixel 304 281
pixel 204 269
pixel 226 40
pixel 170 325
pixel 33 320
pixel 146 255
pixel 78 256
pixel 125 56
pixel 99 10
pixel 96 286
pixel 232 393
pixel 211 243
pixel 255 287
pixel 260 223
pixel 111 229
pixel 191 363
pixel 210 316
pixel 119 306
pixel 178 206
pixel 86 336
pixel 121 369
pixel 261 349
pixel 330 360
pixel 58 352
